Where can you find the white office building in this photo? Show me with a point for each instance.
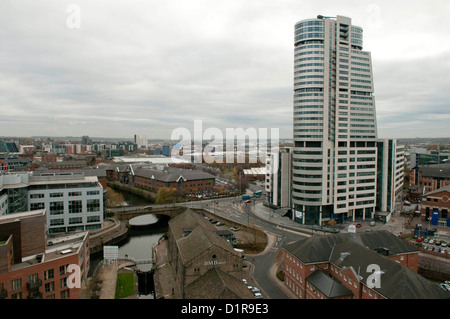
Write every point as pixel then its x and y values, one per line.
pixel 278 178
pixel 73 202
pixel 391 165
pixel 335 134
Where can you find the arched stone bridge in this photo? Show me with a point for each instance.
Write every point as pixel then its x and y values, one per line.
pixel 127 213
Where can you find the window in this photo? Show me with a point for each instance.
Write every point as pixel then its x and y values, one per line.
pixel 16 284
pixel 48 274
pixel 93 205
pixel 36 206
pixel 56 195
pixel 75 206
pixel 33 196
pixel 50 286
pixel 75 220
pixel 74 193
pixel 63 269
pixel 56 208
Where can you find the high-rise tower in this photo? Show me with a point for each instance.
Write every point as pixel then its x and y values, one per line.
pixel 335 134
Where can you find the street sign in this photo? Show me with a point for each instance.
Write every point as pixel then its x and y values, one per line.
pixel 110 252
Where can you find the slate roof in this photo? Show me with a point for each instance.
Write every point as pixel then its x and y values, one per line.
pixel 217 284
pixel 323 245
pixel 358 252
pixel 396 281
pixel 329 286
pixel 439 190
pixel 436 170
pixel 171 174
pixel 194 234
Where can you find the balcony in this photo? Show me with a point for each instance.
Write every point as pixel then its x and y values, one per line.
pixel 36 295
pixel 34 284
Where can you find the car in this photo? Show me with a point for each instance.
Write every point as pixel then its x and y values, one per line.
pixel 445 287
pixel 250 287
pixel 431 241
pixel 244 280
pixel 437 249
pixel 444 244
pixel 219 224
pixel 438 243
pixel 255 290
pixel 234 228
pixel 419 239
pixel 426 240
pixel 372 223
pixel 248 201
pixel 358 225
pixel 258 295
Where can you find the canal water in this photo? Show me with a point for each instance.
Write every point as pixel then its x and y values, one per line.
pixel 139 243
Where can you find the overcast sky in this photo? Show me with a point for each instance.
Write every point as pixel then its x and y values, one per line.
pixel 150 66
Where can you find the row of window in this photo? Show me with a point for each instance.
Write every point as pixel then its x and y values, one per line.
pixel 75 206
pixel 61 194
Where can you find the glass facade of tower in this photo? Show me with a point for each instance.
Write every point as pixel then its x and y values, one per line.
pixel 335 134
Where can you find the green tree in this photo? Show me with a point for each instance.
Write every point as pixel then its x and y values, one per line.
pixel 166 195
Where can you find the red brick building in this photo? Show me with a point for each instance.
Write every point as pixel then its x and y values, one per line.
pixel 437 200
pixel 343 266
pixel 430 177
pixel 32 267
pixel 184 180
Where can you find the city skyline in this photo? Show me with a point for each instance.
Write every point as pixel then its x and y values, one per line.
pixel 151 67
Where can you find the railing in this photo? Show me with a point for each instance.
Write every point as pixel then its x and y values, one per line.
pixel 139 261
pixel 34 284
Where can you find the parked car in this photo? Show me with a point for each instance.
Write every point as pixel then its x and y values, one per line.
pixel 358 225
pixel 444 244
pixel 419 239
pixel 431 241
pixel 372 223
pixel 426 240
pixel 445 287
pixel 437 243
pixel 219 224
pixel 255 290
pixel 248 201
pixel 234 228
pixel 258 295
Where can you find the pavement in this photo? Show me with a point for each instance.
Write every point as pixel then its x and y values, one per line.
pixel 395 225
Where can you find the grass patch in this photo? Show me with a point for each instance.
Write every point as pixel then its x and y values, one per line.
pixel 125 285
